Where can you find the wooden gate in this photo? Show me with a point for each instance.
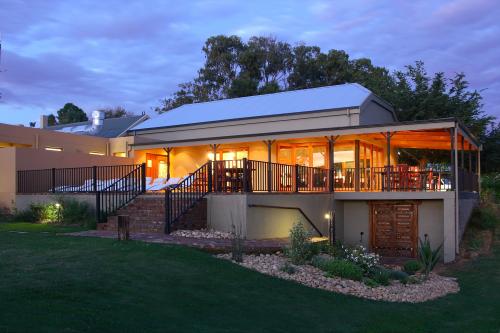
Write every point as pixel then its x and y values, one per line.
pixel 394 228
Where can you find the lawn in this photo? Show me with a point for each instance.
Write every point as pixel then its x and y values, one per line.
pixel 54 283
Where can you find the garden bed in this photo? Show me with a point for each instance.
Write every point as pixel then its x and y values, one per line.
pixel 433 287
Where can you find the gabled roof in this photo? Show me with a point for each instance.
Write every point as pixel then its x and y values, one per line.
pixel 111 127
pixel 349 95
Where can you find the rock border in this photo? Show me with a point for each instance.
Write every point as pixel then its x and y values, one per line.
pixel 202 233
pixel 270 264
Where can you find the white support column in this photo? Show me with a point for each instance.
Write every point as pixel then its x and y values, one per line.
pixel 457 188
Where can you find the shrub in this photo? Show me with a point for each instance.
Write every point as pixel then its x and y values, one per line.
pixel 77 212
pixel 428 257
pixel 398 275
pixel 360 256
pixel 412 266
pixel 300 246
pixel 380 275
pixel 287 268
pixel 485 217
pixel 343 269
pixel 370 282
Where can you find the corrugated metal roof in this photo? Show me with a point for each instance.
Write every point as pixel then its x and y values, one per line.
pixel 288 102
pixel 111 127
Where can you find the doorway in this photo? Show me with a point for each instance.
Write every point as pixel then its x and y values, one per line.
pixel 394 228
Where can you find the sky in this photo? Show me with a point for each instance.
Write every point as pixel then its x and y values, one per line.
pixel 133 53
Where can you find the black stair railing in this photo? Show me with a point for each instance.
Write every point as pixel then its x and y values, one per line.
pixel 120 192
pixel 186 194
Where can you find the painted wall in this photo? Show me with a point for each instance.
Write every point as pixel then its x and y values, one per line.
pixel 39 139
pixel 234 128
pixel 435 218
pixel 261 223
pixel 13 159
pixel 467 203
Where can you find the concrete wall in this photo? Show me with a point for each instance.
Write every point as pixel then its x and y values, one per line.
pixel 7 177
pixel 467 203
pixel 226 210
pixel 436 217
pixel 23 201
pixel 262 222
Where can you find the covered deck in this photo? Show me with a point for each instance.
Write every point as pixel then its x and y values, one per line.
pixel 435 156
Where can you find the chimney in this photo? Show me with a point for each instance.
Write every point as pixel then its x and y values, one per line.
pixel 44 121
pixel 97 119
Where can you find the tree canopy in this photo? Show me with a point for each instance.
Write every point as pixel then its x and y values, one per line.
pixel 70 113
pixel 116 112
pixel 234 68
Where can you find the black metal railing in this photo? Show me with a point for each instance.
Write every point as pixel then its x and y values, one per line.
pixel 120 192
pixel 70 180
pixel 182 197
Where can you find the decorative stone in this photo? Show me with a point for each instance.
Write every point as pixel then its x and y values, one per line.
pixel 435 286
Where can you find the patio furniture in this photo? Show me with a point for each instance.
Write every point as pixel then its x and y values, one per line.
pixel 156 184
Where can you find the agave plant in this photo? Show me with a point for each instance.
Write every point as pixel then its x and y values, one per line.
pixel 428 257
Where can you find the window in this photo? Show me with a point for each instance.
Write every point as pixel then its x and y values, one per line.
pixel 313 154
pixel 53 148
pixel 230 154
pixel 120 154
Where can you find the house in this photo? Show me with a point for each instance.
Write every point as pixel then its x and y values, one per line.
pixel 333 157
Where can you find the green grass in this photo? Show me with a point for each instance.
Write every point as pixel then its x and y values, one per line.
pixel 53 283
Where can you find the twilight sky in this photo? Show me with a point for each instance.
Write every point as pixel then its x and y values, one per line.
pixel 132 53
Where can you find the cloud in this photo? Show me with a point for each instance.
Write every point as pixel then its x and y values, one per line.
pixel 106 53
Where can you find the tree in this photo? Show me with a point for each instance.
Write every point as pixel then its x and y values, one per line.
pixel 490 160
pixel 234 68
pixel 51 120
pixel 70 113
pixel 116 112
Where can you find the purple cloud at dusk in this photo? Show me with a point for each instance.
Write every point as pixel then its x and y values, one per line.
pixel 109 53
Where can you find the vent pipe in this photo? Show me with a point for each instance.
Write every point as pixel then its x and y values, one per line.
pixel 97 119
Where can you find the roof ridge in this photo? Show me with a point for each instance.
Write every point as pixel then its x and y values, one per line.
pixel 281 92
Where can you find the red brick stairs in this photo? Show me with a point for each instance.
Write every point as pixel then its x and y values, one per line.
pixel 147 214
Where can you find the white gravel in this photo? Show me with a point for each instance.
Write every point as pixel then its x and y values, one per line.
pixel 202 233
pixel 435 286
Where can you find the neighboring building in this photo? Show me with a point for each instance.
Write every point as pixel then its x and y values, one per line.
pixel 332 151
pixel 98 142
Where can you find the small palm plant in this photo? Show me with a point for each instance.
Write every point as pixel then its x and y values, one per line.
pixel 428 257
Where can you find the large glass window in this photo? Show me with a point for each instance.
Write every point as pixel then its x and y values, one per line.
pixel 230 154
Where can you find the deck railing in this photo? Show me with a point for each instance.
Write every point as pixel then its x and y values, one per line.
pixel 120 192
pixel 70 180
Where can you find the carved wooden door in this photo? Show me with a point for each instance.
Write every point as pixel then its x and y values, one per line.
pixel 394 228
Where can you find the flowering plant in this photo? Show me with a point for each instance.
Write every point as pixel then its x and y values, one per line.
pixel 360 256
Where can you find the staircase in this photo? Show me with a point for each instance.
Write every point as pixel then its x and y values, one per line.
pixel 147 214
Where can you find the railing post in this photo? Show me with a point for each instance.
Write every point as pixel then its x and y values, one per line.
pixel 245 184
pixel 297 178
pixel 94 178
pixel 143 177
pixel 357 169
pixel 168 207
pixel 53 180
pixel 98 206
pixel 209 176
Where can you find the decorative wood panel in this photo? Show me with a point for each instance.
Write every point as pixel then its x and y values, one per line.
pixel 394 228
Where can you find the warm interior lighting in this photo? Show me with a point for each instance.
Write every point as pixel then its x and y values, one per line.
pixel 96 153
pixel 53 148
pixel 149 163
pixel 211 156
pixel 120 154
